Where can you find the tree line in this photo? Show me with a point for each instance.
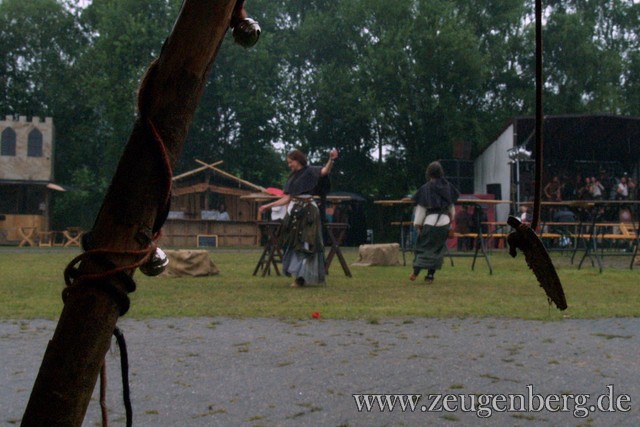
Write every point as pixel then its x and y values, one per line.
pixel 391 84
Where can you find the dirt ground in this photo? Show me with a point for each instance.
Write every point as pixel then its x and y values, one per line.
pixel 265 372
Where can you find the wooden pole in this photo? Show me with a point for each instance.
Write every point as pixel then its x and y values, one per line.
pixel 168 98
pixel 195 171
pixel 228 175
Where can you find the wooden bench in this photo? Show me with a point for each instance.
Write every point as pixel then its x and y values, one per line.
pixel 593 239
pixel 46 238
pixel 625 232
pixel 552 235
pixel 485 236
pixel 624 229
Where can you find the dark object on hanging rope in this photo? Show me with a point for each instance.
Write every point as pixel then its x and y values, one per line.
pixel 124 366
pixel 525 239
pixel 246 31
pixel 104 410
pixel 126 394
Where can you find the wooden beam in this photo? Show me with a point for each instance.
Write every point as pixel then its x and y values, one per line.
pixel 228 190
pixel 191 189
pixel 197 170
pixel 203 186
pixel 228 175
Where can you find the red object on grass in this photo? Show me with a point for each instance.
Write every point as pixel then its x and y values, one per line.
pixel 315 315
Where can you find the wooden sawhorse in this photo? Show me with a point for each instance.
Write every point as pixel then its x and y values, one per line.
pixel 272 253
pixel 336 232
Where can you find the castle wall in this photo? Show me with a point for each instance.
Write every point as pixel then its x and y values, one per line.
pixel 22 167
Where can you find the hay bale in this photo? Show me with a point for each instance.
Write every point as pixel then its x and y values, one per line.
pixel 193 263
pixel 379 254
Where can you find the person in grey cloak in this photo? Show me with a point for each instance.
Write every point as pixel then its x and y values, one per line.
pixel 301 230
pixel 433 217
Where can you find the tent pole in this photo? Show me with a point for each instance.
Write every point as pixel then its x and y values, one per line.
pixel 168 98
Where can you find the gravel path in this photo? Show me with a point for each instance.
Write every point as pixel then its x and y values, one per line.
pixel 264 372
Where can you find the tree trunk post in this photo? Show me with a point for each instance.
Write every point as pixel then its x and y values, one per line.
pixel 168 98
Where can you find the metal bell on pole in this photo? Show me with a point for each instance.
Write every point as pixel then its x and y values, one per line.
pixel 247 32
pixel 156 265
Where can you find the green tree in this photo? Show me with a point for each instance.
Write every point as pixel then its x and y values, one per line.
pixel 79 206
pixel 125 37
pixel 592 44
pixel 391 84
pixel 39 43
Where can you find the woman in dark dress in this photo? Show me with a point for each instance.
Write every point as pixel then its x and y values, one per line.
pixel 301 231
pixel 434 214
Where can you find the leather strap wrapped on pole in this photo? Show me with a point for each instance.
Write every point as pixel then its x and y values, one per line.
pixel 131 213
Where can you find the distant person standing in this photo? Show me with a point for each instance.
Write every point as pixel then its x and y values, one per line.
pixel 525 214
pixel 553 190
pixel 583 189
pixel 622 190
pixel 596 189
pixel 223 215
pixel 301 231
pixel 434 214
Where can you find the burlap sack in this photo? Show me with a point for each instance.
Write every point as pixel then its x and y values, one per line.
pixel 380 254
pixel 190 263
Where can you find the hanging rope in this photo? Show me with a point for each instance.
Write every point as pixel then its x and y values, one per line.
pixel 103 394
pixel 537 201
pixel 74 278
pixel 126 394
pixel 124 367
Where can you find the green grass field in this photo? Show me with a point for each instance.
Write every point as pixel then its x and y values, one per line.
pixel 32 280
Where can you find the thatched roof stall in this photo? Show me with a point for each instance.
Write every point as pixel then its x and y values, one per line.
pixel 197 200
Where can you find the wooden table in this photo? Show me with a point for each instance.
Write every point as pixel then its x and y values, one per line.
pixel 479 238
pixel 399 206
pixel 272 253
pixel 336 232
pixel 588 229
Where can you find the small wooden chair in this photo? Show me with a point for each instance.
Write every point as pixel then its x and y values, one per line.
pixel 27 235
pixel 72 236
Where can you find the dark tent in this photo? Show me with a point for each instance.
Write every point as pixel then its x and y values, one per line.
pixel 589 142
